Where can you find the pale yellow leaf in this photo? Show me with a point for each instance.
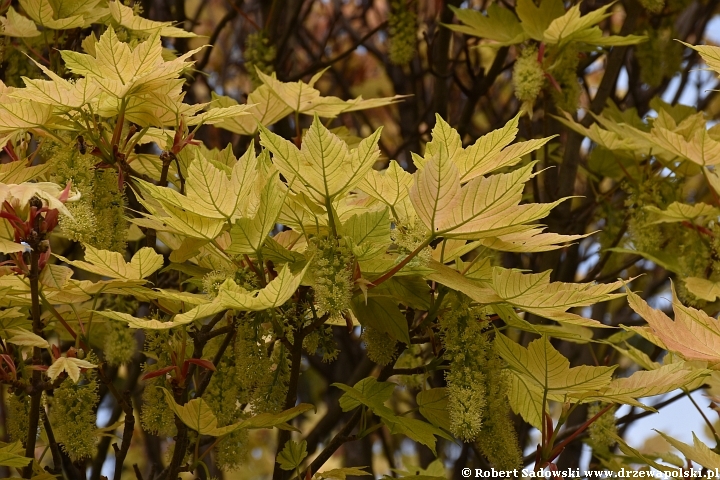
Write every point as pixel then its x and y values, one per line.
pixel 180 221
pixel 477 291
pixel 135 322
pixel 572 25
pixel 264 110
pixel 301 97
pixel 55 276
pixel 16 25
pixel 41 11
pixel 436 191
pixel 547 369
pixel 694 334
pixel 680 212
pixel 125 17
pixel 19 172
pixel 112 264
pixel 698 452
pixel 26 338
pixel 525 397
pixel 700 148
pixel 703 288
pixel 535 294
pixel 530 241
pixel 249 234
pixel 648 384
pixel 23 114
pixel 390 186
pixel 709 53
pixel 57 91
pixel 8 246
pixel 69 365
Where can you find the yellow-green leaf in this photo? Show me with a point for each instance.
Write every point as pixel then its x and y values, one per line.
pixel 275 293
pixel 535 294
pixel 649 383
pixel 544 366
pixel 198 415
pixel 500 24
pixel 536 19
pixel 112 264
pixel 26 338
pixel 41 11
pixel 13 455
pixel 324 167
pixel 698 452
pixel 383 314
pixel 680 212
pixel 703 288
pixel 571 25
pixel 16 25
pixel 69 365
pixel 694 334
pixel 249 234
pixel 390 186
pixel 126 18
pixel 432 404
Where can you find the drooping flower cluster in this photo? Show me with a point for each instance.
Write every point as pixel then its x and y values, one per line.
pixel 563 69
pixel 467 348
pixel 227 403
pixel 333 280
pixel 98 218
pixel 73 416
pixel 259 55
pixel 402 27
pixel 528 76
pixel 409 236
pixel 497 439
pixel 380 347
pixel 661 56
pixel 18 416
pixel 603 429
pixel 156 418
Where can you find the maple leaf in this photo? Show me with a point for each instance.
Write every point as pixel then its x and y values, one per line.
pixel 693 334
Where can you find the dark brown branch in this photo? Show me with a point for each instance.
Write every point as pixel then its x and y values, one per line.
pixel 631 417
pixel 441 59
pixel 121 453
pixel 320 65
pixel 342 437
pixel 227 18
pixel 54 448
pixel 480 88
pixel 36 397
pixel 334 412
pixel 138 474
pixel 200 389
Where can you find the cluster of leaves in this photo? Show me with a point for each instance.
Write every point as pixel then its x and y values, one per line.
pixel 212 279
